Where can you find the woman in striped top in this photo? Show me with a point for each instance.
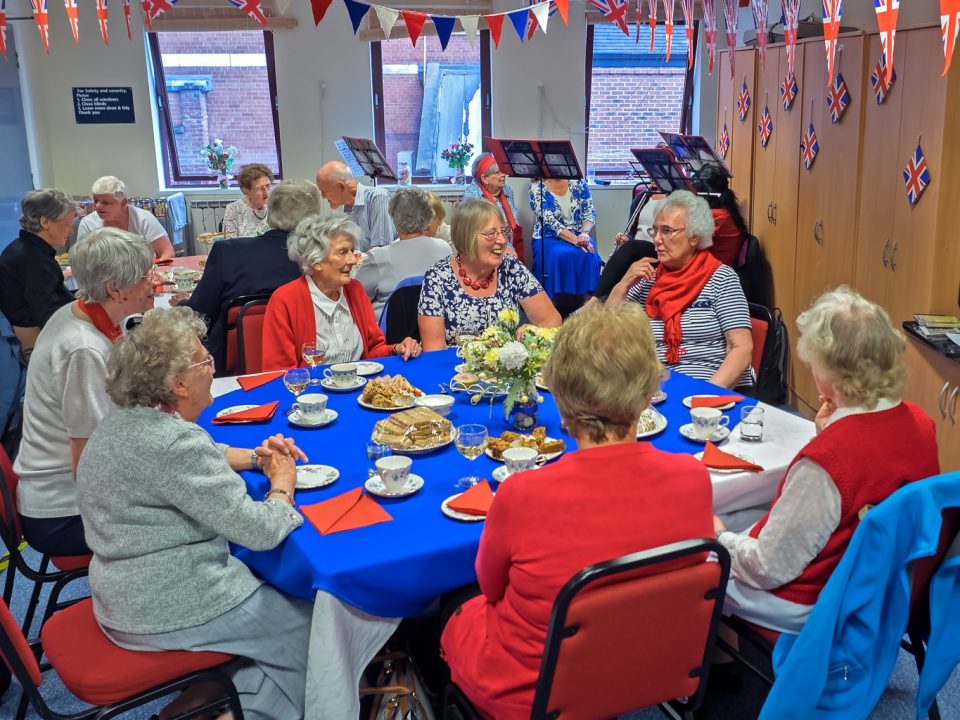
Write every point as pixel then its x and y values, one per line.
pixel 697 309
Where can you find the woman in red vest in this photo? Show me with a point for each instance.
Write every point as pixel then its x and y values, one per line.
pixel 869 443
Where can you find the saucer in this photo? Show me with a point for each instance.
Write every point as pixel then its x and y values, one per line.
pixel 358 383
pixel 501 473
pixel 316 476
pixel 687 401
pixel 722 434
pixel 375 486
pixel 658 398
pixel 368 367
pixel 296 418
pixel 234 409
pixel 453 514
pixel 727 471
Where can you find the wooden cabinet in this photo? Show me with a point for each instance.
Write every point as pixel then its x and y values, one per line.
pixel 933 382
pixel 739 158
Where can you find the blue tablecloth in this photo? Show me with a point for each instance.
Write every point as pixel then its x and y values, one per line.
pixel 395 569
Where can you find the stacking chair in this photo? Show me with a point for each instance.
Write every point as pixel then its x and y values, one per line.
pixel 102 674
pixel 250 335
pixel 760 322
pixel 398 319
pixel 233 355
pixel 628 633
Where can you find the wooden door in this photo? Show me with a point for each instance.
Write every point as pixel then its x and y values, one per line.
pixel 740 160
pixel 765 158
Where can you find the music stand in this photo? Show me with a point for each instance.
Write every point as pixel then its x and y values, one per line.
pixel 694 152
pixel 370 159
pixel 665 173
pixel 536 160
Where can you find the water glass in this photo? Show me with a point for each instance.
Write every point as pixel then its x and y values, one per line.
pixel 751 423
pixel 376 451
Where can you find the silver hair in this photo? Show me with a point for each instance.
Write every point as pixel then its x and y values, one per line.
pixel 109 185
pixel 290 202
pixel 309 244
pixel 699 217
pixel 410 210
pixel 143 364
pixel 109 256
pixel 47 203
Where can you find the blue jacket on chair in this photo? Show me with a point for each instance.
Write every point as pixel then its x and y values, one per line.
pixel 839 664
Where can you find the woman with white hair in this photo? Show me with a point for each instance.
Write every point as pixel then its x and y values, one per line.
pixel 869 443
pixel 112 210
pixel 696 305
pixel 65 397
pixel 326 304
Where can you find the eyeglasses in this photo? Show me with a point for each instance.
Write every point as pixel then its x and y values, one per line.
pixel 491 234
pixel 491 173
pixel 664 231
pixel 206 361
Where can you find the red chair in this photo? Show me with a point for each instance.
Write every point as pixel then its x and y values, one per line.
pixel 250 336
pixel 628 633
pixel 105 675
pixel 232 344
pixel 760 321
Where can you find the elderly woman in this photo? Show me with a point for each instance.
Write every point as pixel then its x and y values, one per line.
pixel 162 501
pixel 491 185
pixel 325 304
pixel 31 281
pixel 113 210
pixel 602 372
pixel 463 294
pixel 247 217
pixel 869 443
pixel 438 228
pixel 699 315
pixel 65 397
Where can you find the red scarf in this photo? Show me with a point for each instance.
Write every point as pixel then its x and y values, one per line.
pixel 504 203
pixel 101 321
pixel 672 293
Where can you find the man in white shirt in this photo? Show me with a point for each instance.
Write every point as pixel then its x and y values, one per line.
pixel 113 210
pixel 369 206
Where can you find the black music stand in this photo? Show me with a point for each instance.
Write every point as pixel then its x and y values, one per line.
pixel 370 159
pixel 537 160
pixel 695 154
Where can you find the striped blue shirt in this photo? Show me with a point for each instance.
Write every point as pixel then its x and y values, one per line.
pixel 371 212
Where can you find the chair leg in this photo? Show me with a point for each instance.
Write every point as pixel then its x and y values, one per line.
pixel 35 597
pixel 9 580
pixel 22 707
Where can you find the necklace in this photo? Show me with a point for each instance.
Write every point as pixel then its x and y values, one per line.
pixel 478 284
pixel 258 217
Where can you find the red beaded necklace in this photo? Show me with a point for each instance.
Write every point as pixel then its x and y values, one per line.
pixel 479 284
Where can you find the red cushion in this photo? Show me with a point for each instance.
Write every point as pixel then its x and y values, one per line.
pixel 101 673
pixel 10 628
pixel 758 329
pixel 68 563
pixel 12 480
pixel 251 332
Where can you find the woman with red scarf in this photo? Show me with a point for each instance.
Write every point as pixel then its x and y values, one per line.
pixel 491 185
pixel 697 309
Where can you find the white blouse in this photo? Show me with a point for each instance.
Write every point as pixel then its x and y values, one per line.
pixel 335 326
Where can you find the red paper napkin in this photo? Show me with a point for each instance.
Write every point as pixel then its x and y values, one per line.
pixel 261 413
pixel 475 501
pixel 712 402
pixel 352 509
pixel 249 382
pixel 714 457
pixel 163 261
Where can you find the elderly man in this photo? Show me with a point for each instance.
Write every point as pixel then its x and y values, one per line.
pixel 113 210
pixel 369 206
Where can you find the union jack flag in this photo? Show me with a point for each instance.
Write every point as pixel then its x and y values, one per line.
pixel 788 90
pixel 102 17
pixel 613 10
pixel 809 147
pixel 3 28
pixel 743 101
pixel 878 78
pixel 710 31
pixel 724 141
pixel 668 8
pixel 765 128
pixel 687 7
pixel 652 20
pixel 126 16
pixel 71 8
pixel 147 20
pixel 156 8
pixel 532 22
pixel 887 11
pixel 838 98
pixel 759 8
pixel 916 176
pixel 832 14
pixel 730 23
pixel 791 14
pixel 250 8
pixel 42 19
pixel 949 26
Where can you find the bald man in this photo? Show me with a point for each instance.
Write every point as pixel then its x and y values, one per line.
pixel 368 205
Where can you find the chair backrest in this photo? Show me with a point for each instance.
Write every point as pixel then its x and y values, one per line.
pixel 250 335
pixel 633 632
pixel 232 344
pixel 16 653
pixel 760 321
pixel 398 319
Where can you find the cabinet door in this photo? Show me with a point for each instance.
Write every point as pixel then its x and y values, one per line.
pixel 933 383
pixel 765 158
pixel 726 102
pixel 740 160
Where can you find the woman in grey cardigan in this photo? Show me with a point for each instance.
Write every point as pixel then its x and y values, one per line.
pixel 160 501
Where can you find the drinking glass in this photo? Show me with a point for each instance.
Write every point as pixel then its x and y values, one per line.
pixel 296 381
pixel 471 440
pixel 375 451
pixel 313 355
pixel 751 423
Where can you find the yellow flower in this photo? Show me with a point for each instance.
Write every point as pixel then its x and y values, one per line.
pixel 509 316
pixel 475 399
pixel 491 357
pixel 524 399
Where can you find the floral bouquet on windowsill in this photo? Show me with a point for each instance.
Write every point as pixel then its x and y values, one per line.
pixel 219 160
pixel 458 156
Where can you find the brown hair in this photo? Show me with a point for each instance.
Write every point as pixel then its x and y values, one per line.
pixel 249 174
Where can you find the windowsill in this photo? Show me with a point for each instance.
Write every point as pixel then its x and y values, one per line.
pixel 200 190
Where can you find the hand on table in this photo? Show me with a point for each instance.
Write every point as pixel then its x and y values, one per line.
pixel 407 348
pixel 278 445
pixel 281 469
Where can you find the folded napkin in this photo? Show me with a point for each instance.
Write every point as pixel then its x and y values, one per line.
pixel 261 413
pixel 163 261
pixel 352 509
pixel 475 501
pixel 714 457
pixel 249 382
pixel 712 402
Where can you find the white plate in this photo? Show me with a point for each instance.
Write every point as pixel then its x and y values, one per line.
pixel 420 450
pixel 722 434
pixel 368 367
pixel 659 420
pixel 501 473
pixel 357 383
pixel 658 398
pixel 687 400
pixel 363 403
pixel 296 418
pixel 729 471
pixel 235 408
pixel 542 458
pixel 316 476
pixel 459 515
pixel 375 486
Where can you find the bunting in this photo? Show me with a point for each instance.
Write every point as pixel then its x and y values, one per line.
pixel 687 7
pixel 788 90
pixel 809 147
pixel 251 8
pixel 470 24
pixel 838 98
pixel 102 19
pixel 387 18
pixel 126 18
pixel 3 28
pixel 495 23
pixel 652 20
pixel 71 8
pixel 791 18
pixel 887 11
pixel 916 176
pixel 319 8
pixel 414 21
pixel 878 79
pixel 156 8
pixel 636 40
pixel 730 23
pixel 444 25
pixel 147 20
pixel 357 11
pixel 563 7
pixel 765 128
pixel 541 13
pixel 710 31
pixel 724 142
pixel 832 14
pixel 519 20
pixel 949 26
pixel 668 7
pixel 614 11
pixel 743 101
pixel 41 18
pixel 759 8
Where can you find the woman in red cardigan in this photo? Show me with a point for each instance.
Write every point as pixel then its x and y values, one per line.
pixel 611 497
pixel 326 303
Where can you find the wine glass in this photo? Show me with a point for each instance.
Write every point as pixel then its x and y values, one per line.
pixel 296 381
pixel 471 440
pixel 313 355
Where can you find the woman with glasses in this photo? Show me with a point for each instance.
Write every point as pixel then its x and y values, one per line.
pixel 696 306
pixel 162 501
pixel 247 217
pixel 464 293
pixel 491 185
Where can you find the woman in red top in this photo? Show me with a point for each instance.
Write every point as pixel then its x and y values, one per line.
pixel 610 497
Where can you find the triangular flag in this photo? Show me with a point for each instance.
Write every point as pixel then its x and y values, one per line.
pixel 251 8
pixel 832 15
pixel 320 8
pixel 415 22
pixel 469 24
pixel 147 20
pixel 949 26
pixel 541 11
pixel 791 18
pixel 126 18
pixel 495 23
pixel 156 8
pixel 710 32
pixel 387 17
pixel 41 18
pixel 759 8
pixel 71 8
pixel 730 23
pixel 887 11
pixel 519 20
pixel 687 7
pixel 563 7
pixel 668 8
pixel 357 12
pixel 444 25
pixel 652 20
pixel 102 19
pixel 3 28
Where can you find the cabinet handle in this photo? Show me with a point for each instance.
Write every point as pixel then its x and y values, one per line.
pixel 770 212
pixel 943 396
pixel 818 232
pixel 952 410
pixel 886 246
pixel 774 213
pixel 893 255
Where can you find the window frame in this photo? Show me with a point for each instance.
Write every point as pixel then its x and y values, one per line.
pixel 168 145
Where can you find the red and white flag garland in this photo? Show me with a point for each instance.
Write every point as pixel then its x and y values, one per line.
pixel 3 28
pixel 147 20
pixel 687 7
pixel 710 31
pixel 652 20
pixel 759 8
pixel 636 40
pixel 102 19
pixel 614 11
pixel 887 11
pixel 126 18
pixel 42 19
pixel 791 13
pixel 730 23
pixel 949 27
pixel 668 7
pixel 71 8
pixel 832 14
pixel 156 8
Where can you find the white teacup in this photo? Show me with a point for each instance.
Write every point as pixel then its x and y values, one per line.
pixel 394 470
pixel 707 421
pixel 341 374
pixel 312 406
pixel 518 459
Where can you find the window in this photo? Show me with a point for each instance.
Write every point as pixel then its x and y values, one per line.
pixel 425 98
pixel 205 93
pixel 632 93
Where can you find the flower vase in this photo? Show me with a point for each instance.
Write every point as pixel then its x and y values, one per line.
pixel 224 184
pixel 523 415
pixel 459 177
